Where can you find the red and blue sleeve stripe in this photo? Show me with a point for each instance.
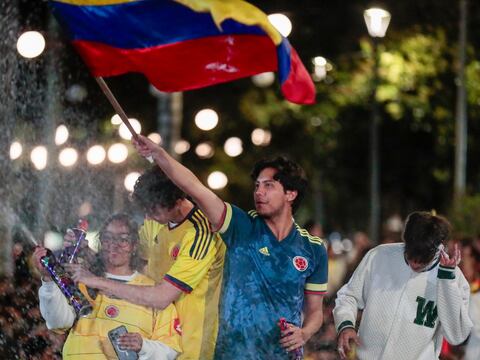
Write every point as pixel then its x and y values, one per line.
pixel 178 284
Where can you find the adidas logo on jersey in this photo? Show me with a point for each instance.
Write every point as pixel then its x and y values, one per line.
pixel 264 251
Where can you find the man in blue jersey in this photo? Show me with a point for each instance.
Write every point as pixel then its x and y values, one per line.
pixel 273 268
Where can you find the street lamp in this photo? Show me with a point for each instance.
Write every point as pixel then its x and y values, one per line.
pixel 377 21
pixel 319 68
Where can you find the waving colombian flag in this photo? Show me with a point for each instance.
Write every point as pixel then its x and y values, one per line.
pixel 183 44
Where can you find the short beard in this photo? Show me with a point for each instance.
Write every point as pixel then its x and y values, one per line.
pixel 268 215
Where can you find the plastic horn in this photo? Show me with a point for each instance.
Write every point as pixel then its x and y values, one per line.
pixel 60 277
pixel 80 233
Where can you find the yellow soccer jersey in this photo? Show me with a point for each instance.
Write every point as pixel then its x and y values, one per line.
pixel 88 338
pixel 190 257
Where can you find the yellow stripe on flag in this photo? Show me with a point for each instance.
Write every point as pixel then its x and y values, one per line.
pixel 237 10
pixel 221 10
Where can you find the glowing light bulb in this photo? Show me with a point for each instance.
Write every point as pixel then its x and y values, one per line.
pixel 30 44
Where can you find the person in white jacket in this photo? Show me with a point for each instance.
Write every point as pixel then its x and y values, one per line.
pixel 153 334
pixel 412 295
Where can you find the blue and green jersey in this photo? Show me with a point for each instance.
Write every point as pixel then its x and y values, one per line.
pixel 264 280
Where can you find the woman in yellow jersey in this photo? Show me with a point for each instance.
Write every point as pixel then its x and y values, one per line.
pixel 185 258
pixel 152 334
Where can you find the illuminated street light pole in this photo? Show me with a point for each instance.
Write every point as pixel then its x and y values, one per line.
pixel 377 21
pixel 169 117
pixel 461 111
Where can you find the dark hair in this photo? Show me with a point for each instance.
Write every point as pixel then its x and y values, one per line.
pixel 136 262
pixel 423 234
pixel 154 188
pixel 289 174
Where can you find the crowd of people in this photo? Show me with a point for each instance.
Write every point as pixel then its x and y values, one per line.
pixel 24 335
pixel 23 332
pixel 272 269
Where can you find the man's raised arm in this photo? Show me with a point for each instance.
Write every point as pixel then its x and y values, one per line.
pixel 211 205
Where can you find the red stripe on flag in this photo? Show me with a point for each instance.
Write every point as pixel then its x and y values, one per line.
pixel 189 64
pixel 298 87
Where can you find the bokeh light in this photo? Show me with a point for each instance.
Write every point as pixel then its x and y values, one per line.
pixel 68 157
pixel 261 137
pixel 30 44
pixel 125 133
pixel 39 157
pixel 130 180
pixel 263 79
pixel 85 209
pixel 181 147
pixel 217 180
pixel 204 150
pixel 61 135
pixel 206 119
pixel 233 146
pixel 96 154
pixel 282 23
pixel 53 240
pixel 16 150
pixel 117 153
pixel 156 138
pixel 76 93
pixel 116 120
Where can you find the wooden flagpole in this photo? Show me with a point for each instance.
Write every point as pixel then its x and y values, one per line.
pixel 113 100
pixel 118 108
